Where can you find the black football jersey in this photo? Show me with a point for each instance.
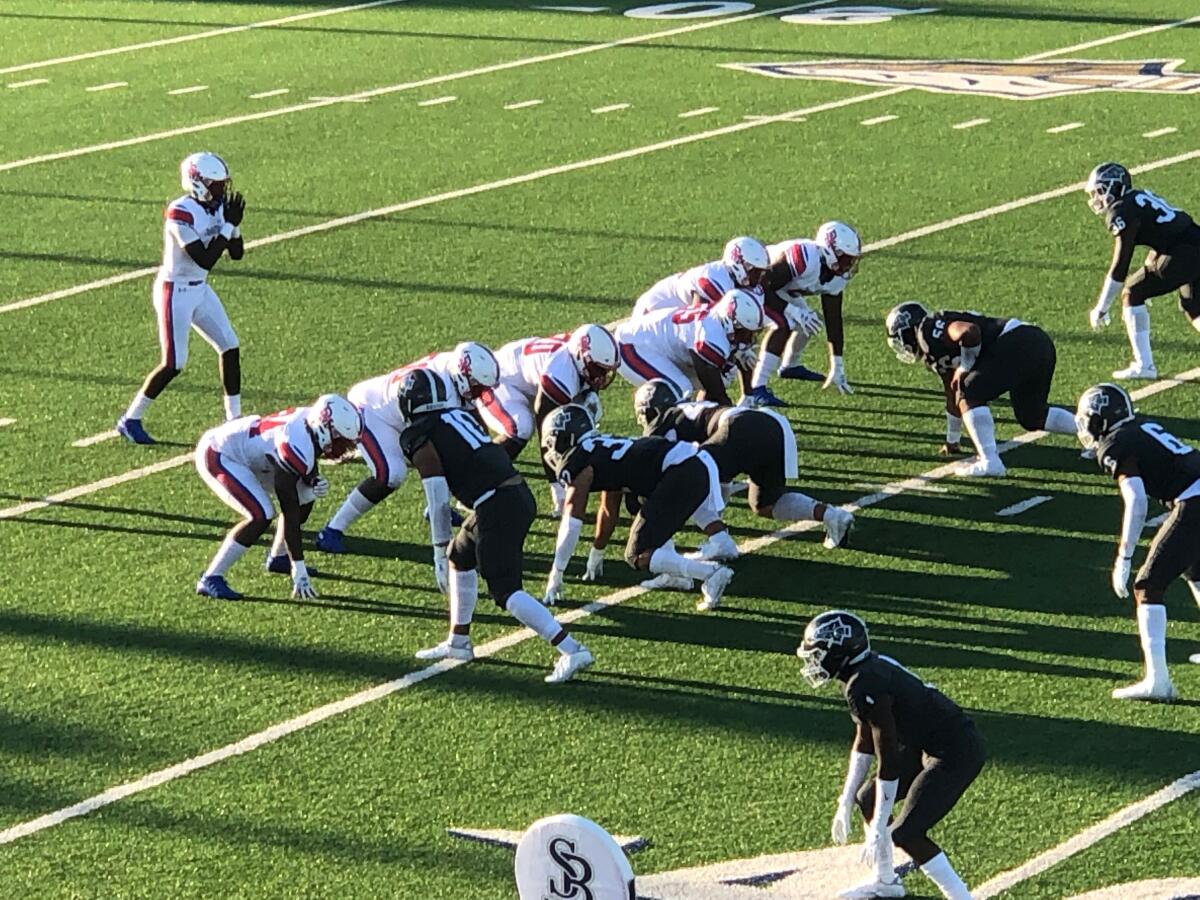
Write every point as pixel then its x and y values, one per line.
pixel 1144 449
pixel 694 422
pixel 471 462
pixel 632 464
pixel 937 352
pixel 1159 225
pixel 925 717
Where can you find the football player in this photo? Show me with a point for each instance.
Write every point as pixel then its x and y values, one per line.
pixel 466 372
pixel 980 359
pixel 743 264
pixel 802 268
pixel 670 482
pixel 200 227
pixel 928 752
pixel 755 442
pixel 1136 217
pixel 693 348
pixel 1147 460
pixel 248 461
pixel 455 457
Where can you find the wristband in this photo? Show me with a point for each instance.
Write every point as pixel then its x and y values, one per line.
pixel 967 356
pixel 237 232
pixel 227 231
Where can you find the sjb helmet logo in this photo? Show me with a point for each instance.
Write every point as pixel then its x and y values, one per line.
pixel 575 878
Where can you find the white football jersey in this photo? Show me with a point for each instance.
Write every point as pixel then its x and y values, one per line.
pixel 532 363
pixel 675 334
pixel 256 441
pixel 186 222
pixel 379 393
pixel 710 282
pixel 804 261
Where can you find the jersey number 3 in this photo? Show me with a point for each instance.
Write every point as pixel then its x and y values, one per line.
pixel 1165 210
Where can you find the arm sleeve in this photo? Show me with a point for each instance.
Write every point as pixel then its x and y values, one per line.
pixel 885 799
pixel 437 495
pixel 856 774
pixel 568 537
pixel 1134 492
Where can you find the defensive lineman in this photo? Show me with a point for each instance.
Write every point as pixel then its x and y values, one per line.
pixel 1147 460
pixel 928 750
pixel 743 264
pixel 200 226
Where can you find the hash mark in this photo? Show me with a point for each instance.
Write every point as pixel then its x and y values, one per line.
pixel 30 83
pixel 600 110
pixel 1160 132
pixel 437 101
pixel 878 120
pixel 262 95
pixel 523 104
pixel 1059 129
pixel 971 123
pixel 702 111
pixel 108 86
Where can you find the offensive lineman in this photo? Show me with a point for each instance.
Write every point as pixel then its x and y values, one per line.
pixel 200 227
pixel 454 456
pixel 1147 460
pixel 743 264
pixel 980 359
pixel 1136 217
pixel 929 752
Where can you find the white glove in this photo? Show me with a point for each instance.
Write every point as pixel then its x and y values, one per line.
pixel 878 845
pixel 746 359
pixel 595 565
pixel 441 569
pixel 554 587
pixel 301 583
pixel 1120 576
pixel 842 821
pixel 320 487
pixel 837 377
pixel 1098 317
pixel 803 319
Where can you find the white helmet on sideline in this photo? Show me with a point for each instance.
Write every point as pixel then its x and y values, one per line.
pixel 205 176
pixel 841 247
pixel 474 370
pixel 334 420
pixel 596 355
pixel 747 261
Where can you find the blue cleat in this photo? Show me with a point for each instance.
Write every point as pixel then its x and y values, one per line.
pixel 329 540
pixel 762 396
pixel 801 373
pixel 217 587
pixel 132 430
pixel 282 565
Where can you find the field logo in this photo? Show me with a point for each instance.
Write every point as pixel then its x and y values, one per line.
pixel 1011 80
pixel 568 857
pixel 851 15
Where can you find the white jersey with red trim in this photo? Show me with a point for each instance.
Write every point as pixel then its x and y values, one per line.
pixel 676 333
pixel 256 441
pixel 186 222
pixel 540 362
pixel 804 261
pixel 378 394
pixel 710 282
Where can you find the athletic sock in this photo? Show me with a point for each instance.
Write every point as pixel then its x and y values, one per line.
pixel 941 873
pixel 233 407
pixel 768 365
pixel 532 614
pixel 464 593
pixel 1152 628
pixel 139 406
pixel 231 551
pixel 351 510
pixel 567 644
pixel 1137 326
pixel 982 429
pixel 794 349
pixel 665 561
pixel 1059 421
pixel 794 507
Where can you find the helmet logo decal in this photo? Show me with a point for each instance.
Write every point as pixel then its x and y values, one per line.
pixel 834 633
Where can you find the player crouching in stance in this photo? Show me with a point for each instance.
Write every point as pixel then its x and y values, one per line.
pixel 671 482
pixel 454 456
pixel 1136 217
pixel 247 460
pixel 200 227
pixel 929 752
pixel 1146 460
pixel 979 359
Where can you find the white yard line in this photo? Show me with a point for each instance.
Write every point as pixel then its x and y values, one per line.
pixel 1024 506
pixel 702 111
pixel 572 9
pixel 30 83
pixel 612 107
pixel 263 95
pixel 437 101
pixel 13 512
pixel 523 104
pixel 191 89
pixel 107 86
pixel 1160 132
pixel 1059 129
pixel 878 120
pixel 323 99
pixel 95 438
pixel 970 123
pixel 4 423
pixel 1122 818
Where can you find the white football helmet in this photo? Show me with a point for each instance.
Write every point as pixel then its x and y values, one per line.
pixel 741 314
pixel 205 176
pixel 335 423
pixel 474 370
pixel 596 355
pixel 747 261
pixel 841 247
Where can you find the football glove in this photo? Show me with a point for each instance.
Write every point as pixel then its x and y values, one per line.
pixel 877 846
pixel 837 376
pixel 842 821
pixel 746 359
pixel 320 486
pixel 554 587
pixel 235 208
pixel 1120 576
pixel 804 319
pixel 1098 317
pixel 595 565
pixel 441 569
pixel 301 584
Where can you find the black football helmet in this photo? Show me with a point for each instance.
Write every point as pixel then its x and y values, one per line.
pixel 652 399
pixel 562 432
pixel 1107 184
pixel 902 324
pixel 1101 409
pixel 420 392
pixel 833 642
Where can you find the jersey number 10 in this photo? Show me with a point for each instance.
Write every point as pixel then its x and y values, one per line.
pixel 468 429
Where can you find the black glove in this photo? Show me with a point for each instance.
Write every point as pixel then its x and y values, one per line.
pixel 235 208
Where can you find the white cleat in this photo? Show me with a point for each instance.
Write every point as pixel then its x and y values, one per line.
pixel 449 650
pixel 718 548
pixel 873 888
pixel 668 583
pixel 1194 658
pixel 569 664
pixel 1137 373
pixel 981 468
pixel 713 589
pixel 838 524
pixel 1162 692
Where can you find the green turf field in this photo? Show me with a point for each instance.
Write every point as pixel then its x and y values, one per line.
pixel 694 731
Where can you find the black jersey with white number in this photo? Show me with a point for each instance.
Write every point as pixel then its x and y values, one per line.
pixel 925 717
pixel 632 464
pixel 1144 449
pixel 471 462
pixel 938 352
pixel 1155 222
pixel 695 421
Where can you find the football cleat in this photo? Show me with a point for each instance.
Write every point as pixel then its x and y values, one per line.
pixel 448 649
pixel 666 582
pixel 570 664
pixel 330 540
pixel 873 888
pixel 335 423
pixel 1137 373
pixel 838 523
pixel 981 468
pixel 762 396
pixel 1162 692
pixel 718 548
pixel 216 587
pixel 713 589
pixel 800 373
pixel 132 430
pixel 282 565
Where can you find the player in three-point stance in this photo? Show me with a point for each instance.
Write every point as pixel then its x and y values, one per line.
pixel 1146 460
pixel 200 227
pixel 1137 217
pixel 980 358
pixel 454 456
pixel 743 264
pixel 928 751
pixel 248 461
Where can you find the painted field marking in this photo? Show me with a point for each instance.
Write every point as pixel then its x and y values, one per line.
pixel 437 101
pixel 701 111
pixel 13 512
pixel 30 83
pixel 1122 818
pixel 99 438
pixel 1059 129
pixel 263 95
pixel 4 423
pixel 970 123
pixel 1025 505
pixel 759 118
pixel 523 104
pixel 612 107
pixel 1160 132
pixel 341 99
pixel 192 89
pixel 107 86
pixel 878 120
pixel 573 9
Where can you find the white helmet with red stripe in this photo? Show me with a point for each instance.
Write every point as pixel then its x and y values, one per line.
pixel 741 314
pixel 747 261
pixel 596 356
pixel 205 176
pixel 335 423
pixel 841 247
pixel 474 370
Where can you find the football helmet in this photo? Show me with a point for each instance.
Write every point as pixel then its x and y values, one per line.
pixel 596 355
pixel 422 391
pixel 841 247
pixel 1101 409
pixel 1107 184
pixel 652 399
pixel 902 324
pixel 562 431
pixel 747 261
pixel 205 176
pixel 833 641
pixel 474 370
pixel 741 314
pixel 335 423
